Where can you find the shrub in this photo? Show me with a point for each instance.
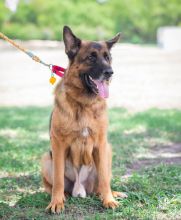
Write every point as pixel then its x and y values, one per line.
pixel 138 20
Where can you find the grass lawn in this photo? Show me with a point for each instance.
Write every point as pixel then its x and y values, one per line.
pixel 153 193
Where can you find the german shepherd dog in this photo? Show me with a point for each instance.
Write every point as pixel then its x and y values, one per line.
pixel 80 159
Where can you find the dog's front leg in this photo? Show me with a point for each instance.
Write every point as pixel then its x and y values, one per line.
pixel 103 165
pixel 58 153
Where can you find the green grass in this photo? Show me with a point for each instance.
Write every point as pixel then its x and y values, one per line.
pixel 153 193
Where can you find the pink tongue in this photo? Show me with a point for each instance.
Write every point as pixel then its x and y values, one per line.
pixel 102 88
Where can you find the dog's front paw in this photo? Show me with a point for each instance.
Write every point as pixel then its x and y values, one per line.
pixel 119 194
pixel 110 203
pixel 56 205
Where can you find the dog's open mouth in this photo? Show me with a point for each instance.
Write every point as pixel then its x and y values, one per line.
pixel 102 86
pixel 96 86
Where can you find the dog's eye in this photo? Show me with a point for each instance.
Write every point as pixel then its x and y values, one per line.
pixel 92 57
pixel 106 57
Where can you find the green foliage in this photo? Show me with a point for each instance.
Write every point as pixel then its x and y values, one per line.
pixel 138 20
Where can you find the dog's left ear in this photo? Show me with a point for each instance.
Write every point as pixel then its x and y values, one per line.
pixel 72 43
pixel 114 40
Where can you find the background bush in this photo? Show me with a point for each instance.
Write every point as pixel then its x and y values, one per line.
pixel 138 20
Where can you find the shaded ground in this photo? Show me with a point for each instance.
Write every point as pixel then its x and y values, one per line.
pixel 169 155
pixel 145 77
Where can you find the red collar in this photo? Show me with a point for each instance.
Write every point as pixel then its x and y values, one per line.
pixel 58 70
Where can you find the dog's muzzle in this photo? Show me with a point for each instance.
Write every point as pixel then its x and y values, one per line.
pixel 97 86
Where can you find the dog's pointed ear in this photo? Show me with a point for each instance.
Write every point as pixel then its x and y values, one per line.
pixel 114 40
pixel 72 43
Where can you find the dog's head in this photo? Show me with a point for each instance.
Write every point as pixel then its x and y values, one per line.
pixel 90 63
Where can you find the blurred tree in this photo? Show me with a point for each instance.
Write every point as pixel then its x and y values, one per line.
pixel 138 20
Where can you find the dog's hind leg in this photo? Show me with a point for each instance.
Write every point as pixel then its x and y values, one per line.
pixel 47 175
pixel 47 185
pixel 46 170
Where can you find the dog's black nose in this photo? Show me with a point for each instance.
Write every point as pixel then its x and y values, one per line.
pixel 108 72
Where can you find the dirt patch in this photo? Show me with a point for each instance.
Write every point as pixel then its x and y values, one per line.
pixel 170 154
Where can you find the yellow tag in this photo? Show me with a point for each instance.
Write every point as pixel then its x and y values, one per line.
pixel 52 80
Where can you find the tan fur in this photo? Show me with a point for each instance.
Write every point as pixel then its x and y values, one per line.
pixel 73 113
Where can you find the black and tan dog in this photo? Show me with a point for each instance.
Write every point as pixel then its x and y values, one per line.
pixel 80 150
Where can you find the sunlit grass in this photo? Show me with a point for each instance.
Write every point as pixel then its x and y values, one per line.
pixel 153 193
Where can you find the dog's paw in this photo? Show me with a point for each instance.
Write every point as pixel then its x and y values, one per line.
pixel 110 203
pixel 56 205
pixel 119 194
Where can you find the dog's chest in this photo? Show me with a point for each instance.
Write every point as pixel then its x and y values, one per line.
pixel 85 123
pixel 85 132
pixel 83 138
